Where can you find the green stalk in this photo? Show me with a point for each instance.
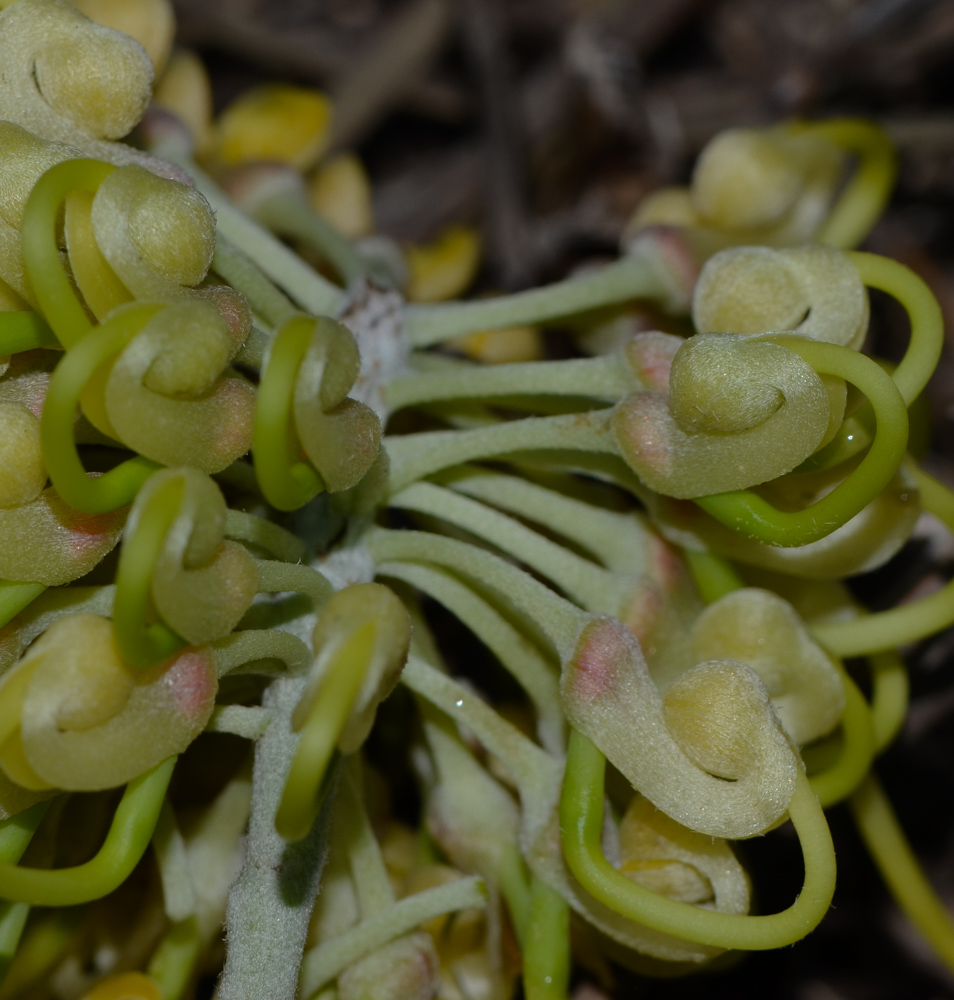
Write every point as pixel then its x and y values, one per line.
pixel 560 620
pixel 546 951
pixel 891 852
pixel 633 277
pixel 240 271
pixel 583 581
pixel 607 378
pixel 416 456
pixel 517 654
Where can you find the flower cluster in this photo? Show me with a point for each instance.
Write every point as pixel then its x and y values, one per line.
pixel 201 351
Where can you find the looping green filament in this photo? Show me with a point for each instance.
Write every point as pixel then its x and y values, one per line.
pixel 924 315
pixel 910 622
pixel 14 597
pixel 141 642
pixel 837 782
pixel 918 363
pixel 24 331
pixel 125 843
pixel 581 822
pixel 888 846
pixel 58 301
pixel 117 487
pixel 287 480
pixel 546 945
pixel 339 690
pixel 865 195
pixel 746 512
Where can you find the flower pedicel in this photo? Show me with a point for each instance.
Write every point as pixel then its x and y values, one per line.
pixel 174 376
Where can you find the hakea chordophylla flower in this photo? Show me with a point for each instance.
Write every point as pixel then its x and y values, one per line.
pixel 338 434
pixel 373 611
pixel 25 158
pixel 815 291
pixel 767 186
pixel 77 717
pixel 763 631
pixel 21 456
pixel 202 583
pixel 47 541
pixel 763 414
pixel 170 395
pixel 157 235
pixel 714 722
pixel 70 80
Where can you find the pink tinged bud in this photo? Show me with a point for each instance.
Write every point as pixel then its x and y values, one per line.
pixel 47 541
pixel 191 683
pixel 604 645
pixel 650 357
pixel 642 424
pixel 90 722
pixel 405 969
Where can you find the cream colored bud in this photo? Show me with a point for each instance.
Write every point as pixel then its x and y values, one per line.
pixel 340 191
pixel 152 23
pixel 273 123
pixel 444 268
pixel 184 89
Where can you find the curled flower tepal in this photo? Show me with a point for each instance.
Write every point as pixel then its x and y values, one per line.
pixel 304 412
pixel 714 723
pixel 50 542
pixel 171 396
pixel 87 720
pixel 670 859
pixel 815 291
pixel 763 631
pixel 157 235
pixel 740 411
pixel 69 79
pixel 174 552
pixel 361 641
pixel 149 22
